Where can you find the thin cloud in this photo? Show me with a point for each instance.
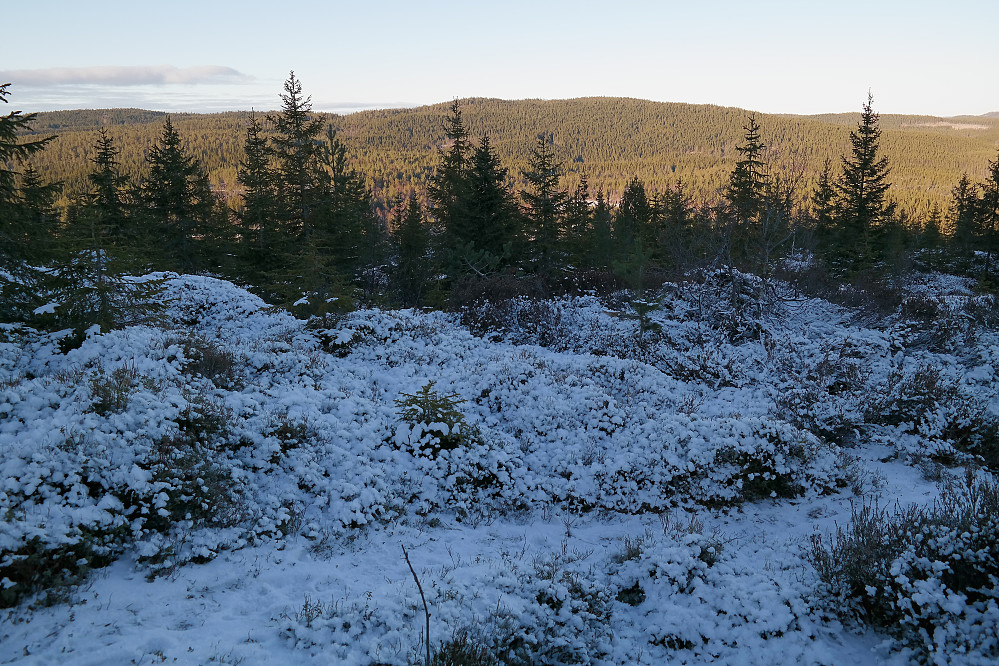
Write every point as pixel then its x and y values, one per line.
pixel 124 75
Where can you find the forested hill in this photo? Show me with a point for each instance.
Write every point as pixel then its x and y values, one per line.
pixel 612 139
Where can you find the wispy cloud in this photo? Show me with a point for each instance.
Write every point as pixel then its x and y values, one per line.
pixel 124 75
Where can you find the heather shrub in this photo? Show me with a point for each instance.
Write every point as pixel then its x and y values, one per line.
pixel 110 392
pixel 926 575
pixel 209 359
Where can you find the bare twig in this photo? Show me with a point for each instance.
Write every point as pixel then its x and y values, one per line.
pixel 426 609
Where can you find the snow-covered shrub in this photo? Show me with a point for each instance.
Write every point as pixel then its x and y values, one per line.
pixel 824 392
pixel 353 630
pixel 565 619
pixel 752 459
pixel 462 649
pixel 211 360
pixel 54 568
pixel 110 392
pixel 923 400
pixel 688 602
pixel 520 319
pixel 734 303
pixel 927 575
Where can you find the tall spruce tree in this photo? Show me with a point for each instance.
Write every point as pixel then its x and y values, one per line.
pixel 448 189
pixel 989 214
pixel 675 245
pixel 633 218
pixel 176 196
pixel 490 229
pixel 599 241
pixel 823 199
pixel 931 237
pixel 544 208
pixel 747 187
pixel 107 200
pixel 100 244
pixel 261 238
pixel 748 213
pixel 578 219
pixel 414 268
pixel 964 207
pixel 22 241
pixel 295 146
pixel 347 224
pixel 862 207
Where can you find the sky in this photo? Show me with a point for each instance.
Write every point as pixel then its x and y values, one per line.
pixel 772 56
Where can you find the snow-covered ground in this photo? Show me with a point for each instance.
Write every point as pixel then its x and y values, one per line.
pixel 603 496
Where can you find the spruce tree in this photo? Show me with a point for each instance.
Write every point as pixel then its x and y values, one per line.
pixel 37 216
pixel 414 267
pixel 22 241
pixel 448 189
pixel 675 242
pixel 989 214
pixel 931 237
pixel 746 191
pixel 14 150
pixel 544 208
pixel 487 234
pixel 823 200
pixel 261 238
pixel 599 242
pixel 295 147
pixel 347 225
pixel 964 206
pixel 91 282
pixel 176 197
pixel 578 218
pixel 633 218
pixel 862 206
pixel 107 199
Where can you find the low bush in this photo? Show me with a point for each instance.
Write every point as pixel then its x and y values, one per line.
pixel 927 575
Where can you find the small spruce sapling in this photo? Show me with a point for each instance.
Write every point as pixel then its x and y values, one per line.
pixel 642 310
pixel 431 421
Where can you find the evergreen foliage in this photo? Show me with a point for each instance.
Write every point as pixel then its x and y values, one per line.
pixel 295 148
pixel 90 286
pixel 25 216
pixel 633 218
pixel 446 191
pixel 259 215
pixel 823 200
pixel 963 208
pixel 750 203
pixel 862 205
pixel 175 196
pixel 578 222
pixel 989 215
pixel 483 238
pixel 746 191
pixel 544 208
pixel 616 139
pixel 414 266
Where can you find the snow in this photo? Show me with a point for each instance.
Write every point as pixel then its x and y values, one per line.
pixel 252 484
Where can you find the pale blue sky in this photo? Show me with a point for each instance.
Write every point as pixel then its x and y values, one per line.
pixel 938 58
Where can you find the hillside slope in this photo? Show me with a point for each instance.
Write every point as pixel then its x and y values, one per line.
pixel 611 139
pixel 568 490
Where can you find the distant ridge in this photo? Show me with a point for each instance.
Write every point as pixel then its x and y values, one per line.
pixel 611 139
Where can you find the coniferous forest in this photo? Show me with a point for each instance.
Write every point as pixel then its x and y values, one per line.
pixel 226 332
pixel 292 211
